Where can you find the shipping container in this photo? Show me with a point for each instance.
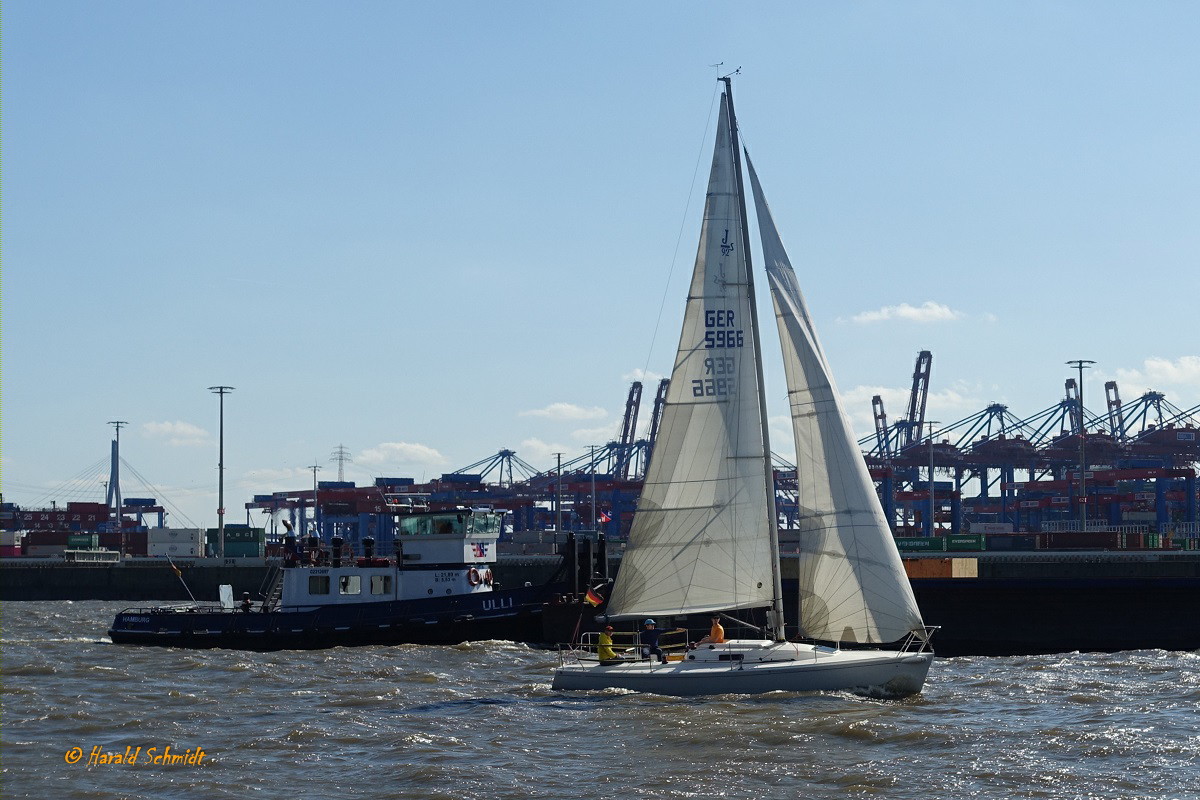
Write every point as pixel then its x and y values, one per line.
pixel 173 549
pixel 941 567
pixel 240 533
pixel 244 549
pixel 248 534
pixel 1089 540
pixel 174 535
pixel 44 550
pixel 83 541
pixel 920 543
pixel 47 537
pixel 88 508
pixel 966 541
pixel 11 538
pixel 385 483
pixel 1133 541
pixel 10 551
pixel 1011 541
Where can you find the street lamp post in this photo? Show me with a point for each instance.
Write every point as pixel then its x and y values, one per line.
pixel 593 487
pixel 558 498
pixel 221 391
pixel 1081 364
pixel 932 504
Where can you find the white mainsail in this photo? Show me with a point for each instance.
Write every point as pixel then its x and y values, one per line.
pixel 852 582
pixel 700 539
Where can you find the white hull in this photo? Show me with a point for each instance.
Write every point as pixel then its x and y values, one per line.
pixel 747 667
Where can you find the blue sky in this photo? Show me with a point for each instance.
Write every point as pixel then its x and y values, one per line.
pixel 427 231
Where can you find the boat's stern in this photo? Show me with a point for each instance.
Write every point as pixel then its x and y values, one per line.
pixel 133 625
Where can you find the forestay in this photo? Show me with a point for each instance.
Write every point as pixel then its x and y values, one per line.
pixel 852 582
pixel 700 539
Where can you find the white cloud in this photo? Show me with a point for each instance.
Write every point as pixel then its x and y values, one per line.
pixel 1162 374
pixel 602 435
pixel 177 434
pixel 928 311
pixel 647 378
pixel 541 454
pixel 400 455
pixel 566 411
pixel 286 478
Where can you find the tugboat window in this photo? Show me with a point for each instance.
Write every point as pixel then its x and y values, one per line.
pixel 414 526
pixel 485 523
pixel 381 584
pixel 434 523
pixel 350 584
pixel 318 584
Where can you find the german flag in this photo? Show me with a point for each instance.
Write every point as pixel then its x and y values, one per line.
pixel 593 598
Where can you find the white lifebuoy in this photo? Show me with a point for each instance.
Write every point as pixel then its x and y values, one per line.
pixel 487 577
pixel 473 577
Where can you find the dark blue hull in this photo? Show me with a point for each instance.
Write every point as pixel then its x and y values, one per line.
pixel 508 614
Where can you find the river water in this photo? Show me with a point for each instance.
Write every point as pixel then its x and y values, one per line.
pixel 480 721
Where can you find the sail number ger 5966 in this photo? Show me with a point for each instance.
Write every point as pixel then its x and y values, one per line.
pixel 719 371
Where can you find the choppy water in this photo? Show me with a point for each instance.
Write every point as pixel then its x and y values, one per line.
pixel 480 721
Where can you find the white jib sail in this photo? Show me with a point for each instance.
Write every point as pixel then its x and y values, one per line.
pixel 700 539
pixel 852 583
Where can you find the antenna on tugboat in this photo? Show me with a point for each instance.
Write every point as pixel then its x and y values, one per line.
pixel 179 574
pixel 316 520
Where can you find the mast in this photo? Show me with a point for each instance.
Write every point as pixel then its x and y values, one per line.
pixel 777 624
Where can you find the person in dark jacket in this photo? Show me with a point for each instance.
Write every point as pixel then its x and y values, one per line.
pixel 649 639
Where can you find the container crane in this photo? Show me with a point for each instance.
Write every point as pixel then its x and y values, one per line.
pixel 1116 419
pixel 660 402
pixel 882 435
pixel 504 461
pixel 628 432
pixel 917 399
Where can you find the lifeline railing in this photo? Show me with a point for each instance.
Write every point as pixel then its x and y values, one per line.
pixel 627 647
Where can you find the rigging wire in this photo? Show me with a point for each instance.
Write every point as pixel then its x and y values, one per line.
pixel 78 486
pixel 158 494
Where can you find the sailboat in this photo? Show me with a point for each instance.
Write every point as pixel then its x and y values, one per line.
pixel 705 536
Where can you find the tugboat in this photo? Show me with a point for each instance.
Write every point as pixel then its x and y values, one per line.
pixel 437 588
